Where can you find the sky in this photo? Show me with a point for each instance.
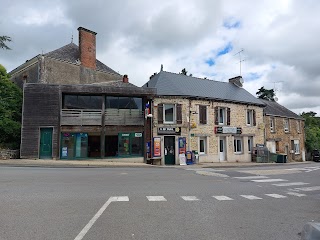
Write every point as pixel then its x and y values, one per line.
pixel 274 43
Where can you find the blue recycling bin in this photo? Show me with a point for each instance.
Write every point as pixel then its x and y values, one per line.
pixel 189 159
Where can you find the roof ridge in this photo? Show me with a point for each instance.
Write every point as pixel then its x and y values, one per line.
pixel 179 74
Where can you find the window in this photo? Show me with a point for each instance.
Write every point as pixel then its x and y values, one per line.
pixel 286 125
pixel 169 113
pixel 237 145
pixel 250 144
pixel 298 126
pixel 82 102
pixel 202 114
pixel 202 145
pixel 272 126
pixel 130 144
pixel 123 103
pixel 222 116
pixel 296 146
pixel 251 117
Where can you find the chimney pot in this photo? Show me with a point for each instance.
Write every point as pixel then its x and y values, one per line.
pixel 125 78
pixel 238 81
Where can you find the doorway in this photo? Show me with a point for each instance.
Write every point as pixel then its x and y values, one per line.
pixel 94 147
pixel 222 149
pixel 111 146
pixel 169 150
pixel 45 143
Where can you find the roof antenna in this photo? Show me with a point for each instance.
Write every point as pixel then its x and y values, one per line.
pixel 240 60
pixel 161 68
pixel 72 37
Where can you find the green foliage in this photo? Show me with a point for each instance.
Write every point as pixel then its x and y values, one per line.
pixel 4 39
pixel 267 94
pixel 312 130
pixel 10 111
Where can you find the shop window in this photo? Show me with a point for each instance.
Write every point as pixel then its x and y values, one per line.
pixel 130 144
pixel 203 145
pixel 202 114
pixel 237 145
pixel 74 145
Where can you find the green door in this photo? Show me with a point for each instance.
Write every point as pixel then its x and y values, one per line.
pixel 169 150
pixel 45 143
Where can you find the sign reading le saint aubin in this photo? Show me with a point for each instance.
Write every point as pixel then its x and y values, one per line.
pixel 169 130
pixel 226 130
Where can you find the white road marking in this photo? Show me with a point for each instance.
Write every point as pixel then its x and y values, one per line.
pixel 208 173
pixel 222 198
pixel 290 184
pixel 190 198
pixel 296 194
pixel 97 215
pixel 156 198
pixel 269 180
pixel 308 189
pixel 276 195
pixel 252 177
pixel 120 199
pixel 251 197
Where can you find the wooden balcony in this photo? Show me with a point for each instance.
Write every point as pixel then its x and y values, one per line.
pixel 81 117
pixel 89 117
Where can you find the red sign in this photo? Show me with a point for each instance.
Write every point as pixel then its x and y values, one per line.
pixel 157 147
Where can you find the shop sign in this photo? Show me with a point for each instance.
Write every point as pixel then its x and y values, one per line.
pixel 169 131
pixel 157 147
pixel 138 134
pixel 125 135
pixel 228 130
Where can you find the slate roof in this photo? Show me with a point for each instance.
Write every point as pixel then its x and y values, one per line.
pixel 275 109
pixel 70 53
pixel 172 84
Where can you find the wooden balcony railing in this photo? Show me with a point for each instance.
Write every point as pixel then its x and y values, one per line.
pixel 131 117
pixel 81 117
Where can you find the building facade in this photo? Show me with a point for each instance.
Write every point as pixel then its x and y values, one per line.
pixel 284 131
pixel 219 120
pixel 75 107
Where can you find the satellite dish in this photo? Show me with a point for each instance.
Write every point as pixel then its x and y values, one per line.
pixel 276 99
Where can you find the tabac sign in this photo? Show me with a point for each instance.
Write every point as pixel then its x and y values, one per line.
pixel 228 130
pixel 169 131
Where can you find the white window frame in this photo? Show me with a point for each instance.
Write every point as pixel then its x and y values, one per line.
pixel 272 124
pixel 296 146
pixel 235 145
pixel 286 125
pixel 249 117
pixel 204 139
pixel 164 113
pixel 224 117
pixel 250 144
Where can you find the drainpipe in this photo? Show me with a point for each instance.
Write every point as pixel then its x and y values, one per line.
pixel 189 126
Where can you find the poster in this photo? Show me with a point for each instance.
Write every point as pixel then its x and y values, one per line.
pixel 157 147
pixel 64 152
pixel 182 145
pixel 182 159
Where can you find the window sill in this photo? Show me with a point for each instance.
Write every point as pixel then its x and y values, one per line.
pixel 238 153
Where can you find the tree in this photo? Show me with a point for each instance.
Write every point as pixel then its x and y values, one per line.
pixel 184 72
pixel 4 39
pixel 312 130
pixel 267 94
pixel 10 111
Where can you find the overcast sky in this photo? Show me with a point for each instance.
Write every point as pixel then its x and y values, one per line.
pixel 279 39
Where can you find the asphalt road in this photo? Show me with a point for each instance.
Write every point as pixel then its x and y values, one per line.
pixel 158 203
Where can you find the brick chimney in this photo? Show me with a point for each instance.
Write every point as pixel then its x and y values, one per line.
pixel 87 48
pixel 238 81
pixel 125 78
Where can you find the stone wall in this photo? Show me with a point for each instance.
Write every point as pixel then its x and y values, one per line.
pixel 9 154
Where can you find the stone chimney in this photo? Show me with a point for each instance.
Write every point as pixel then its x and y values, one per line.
pixel 87 48
pixel 238 81
pixel 125 78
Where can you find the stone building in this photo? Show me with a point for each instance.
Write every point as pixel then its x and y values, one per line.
pixel 75 107
pixel 284 131
pixel 220 120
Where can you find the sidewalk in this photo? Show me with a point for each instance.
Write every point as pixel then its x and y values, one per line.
pixel 107 163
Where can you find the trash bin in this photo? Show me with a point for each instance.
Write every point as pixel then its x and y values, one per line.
pixel 316 155
pixel 196 156
pixel 281 158
pixel 189 158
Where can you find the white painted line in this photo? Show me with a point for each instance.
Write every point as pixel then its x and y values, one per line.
pixel 251 197
pixel 156 198
pixel 120 199
pixel 296 194
pixel 97 215
pixel 308 189
pixel 252 177
pixel 290 184
pixel 269 180
pixel 222 198
pixel 276 195
pixel 190 198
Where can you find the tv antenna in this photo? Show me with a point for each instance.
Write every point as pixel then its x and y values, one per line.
pixel 72 37
pixel 275 89
pixel 240 60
